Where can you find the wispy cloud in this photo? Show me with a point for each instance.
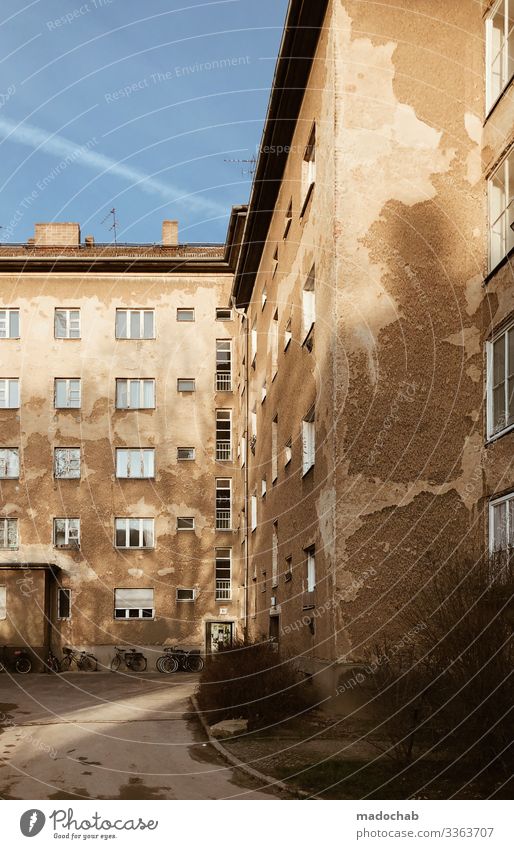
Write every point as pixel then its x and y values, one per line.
pixel 57 145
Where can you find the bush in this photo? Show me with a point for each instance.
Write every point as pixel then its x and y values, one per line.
pixel 251 681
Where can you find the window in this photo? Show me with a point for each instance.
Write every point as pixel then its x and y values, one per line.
pixel 253 512
pixel 275 263
pixel 9 324
pixel 9 463
pixel 310 554
pixel 501 523
pixel 9 392
pixel 274 345
pixel 67 324
pixel 3 602
pixel 186 384
pixel 185 453
pixel 500 382
pixel 135 324
pixel 67 533
pixel 501 210
pixel 264 487
pixel 185 523
pixel 134 604
pixel 288 218
pixel 223 365
pixel 242 451
pixel 288 573
pixel 134 533
pixel 253 428
pixel 274 449
pixel 9 533
pixel 135 394
pixel 288 452
pixel 185 315
pixel 274 556
pixel 135 462
pixel 223 314
pixel 66 463
pixel 67 393
pixel 264 391
pixel 309 441
pixel 223 434
pixel 253 341
pixel 309 169
pixel 309 303
pixel 223 504
pixel 223 574
pixel 185 594
pixel 264 297
pixel 287 335
pixel 499 49
pixel 63 603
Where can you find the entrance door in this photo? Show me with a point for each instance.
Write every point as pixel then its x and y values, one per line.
pixel 218 634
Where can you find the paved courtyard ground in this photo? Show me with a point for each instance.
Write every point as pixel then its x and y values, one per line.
pixel 115 736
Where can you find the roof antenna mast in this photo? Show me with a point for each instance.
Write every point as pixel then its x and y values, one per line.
pixel 114 225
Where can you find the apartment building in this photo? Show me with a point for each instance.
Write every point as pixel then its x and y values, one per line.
pixel 376 282
pixel 116 450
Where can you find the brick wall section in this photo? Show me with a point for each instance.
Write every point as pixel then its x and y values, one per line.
pixel 61 234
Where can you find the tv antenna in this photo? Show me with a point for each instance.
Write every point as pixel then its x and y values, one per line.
pixel 252 162
pixel 114 225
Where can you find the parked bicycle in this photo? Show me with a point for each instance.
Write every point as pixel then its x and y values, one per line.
pixel 134 660
pixel 83 660
pixel 16 659
pixel 175 658
pixel 52 662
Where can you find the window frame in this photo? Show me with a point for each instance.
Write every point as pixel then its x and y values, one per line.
pixel 503 54
pixel 67 477
pixel 128 618
pixel 191 590
pixel 141 520
pixel 224 451
pixel 68 391
pixel 225 310
pixel 506 217
pixel 3 602
pixel 68 528
pixel 186 448
pixel 187 528
pixel 223 594
pixel 492 433
pixel 16 453
pixel 128 320
pixel 5 390
pixel 308 175
pixel 129 381
pixel 4 522
pixel 9 312
pixel 67 592
pixel 191 380
pixel 66 312
pixel 309 441
pixel 130 450
pixel 310 568
pixel 494 502
pixel 221 524
pixel 183 311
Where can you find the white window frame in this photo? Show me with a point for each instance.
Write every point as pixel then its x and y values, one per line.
pixel 253 512
pixel 71 532
pixel 133 463
pixel 310 556
pixel 499 52
pixel 9 392
pixel 309 303
pixel 7 526
pixel 288 453
pixel 129 381
pixel 494 503
pixel 182 312
pixel 69 461
pixel 186 448
pixel 223 593
pixel 223 521
pixel 9 470
pixel 140 610
pixel 288 334
pixel 274 345
pixel 71 323
pixel 140 520
pixel 253 343
pixel 501 235
pixel 128 323
pixel 223 365
pixel 220 310
pixel 224 446
pixel 264 297
pixel 67 592
pixel 492 432
pixel 191 590
pixel 6 324
pixel 183 380
pixel 309 441
pixel 190 526
pixel 274 450
pixel 72 393
pixel 274 556
pixel 308 169
pixel 264 487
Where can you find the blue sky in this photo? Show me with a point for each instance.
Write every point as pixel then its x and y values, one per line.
pixel 119 103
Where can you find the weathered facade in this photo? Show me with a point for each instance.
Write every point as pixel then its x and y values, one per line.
pixel 371 197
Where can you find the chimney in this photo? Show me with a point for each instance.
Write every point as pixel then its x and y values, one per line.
pixel 57 234
pixel 169 233
pixel 89 241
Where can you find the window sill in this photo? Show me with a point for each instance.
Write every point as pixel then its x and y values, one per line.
pixel 497 101
pixel 498 265
pixel 494 437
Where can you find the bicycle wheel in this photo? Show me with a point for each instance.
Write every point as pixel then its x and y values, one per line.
pixel 23 665
pixel 52 664
pixel 138 664
pixel 88 663
pixel 195 663
pixel 159 664
pixel 170 664
pixel 115 663
pixel 66 663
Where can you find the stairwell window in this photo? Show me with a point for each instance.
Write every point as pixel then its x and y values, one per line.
pixel 135 324
pixel 8 533
pixel 67 324
pixel 500 382
pixel 223 434
pixel 253 343
pixel 274 556
pixel 67 393
pixel 134 533
pixel 67 533
pixel 309 441
pixel 274 450
pixel 288 219
pixel 501 523
pixel 134 604
pixel 135 462
pixel 66 463
pixel 309 304
pixel 274 345
pixel 9 393
pixel 288 334
pixel 223 574
pixel 253 512
pixel 500 188
pixel 135 394
pixel 308 169
pixel 223 365
pixel 9 463
pixel 310 554
pixel 10 324
pixel 499 49
pixel 223 504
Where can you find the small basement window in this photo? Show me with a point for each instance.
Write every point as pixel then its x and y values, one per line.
pixel 186 594
pixel 223 314
pixel 185 453
pixel 185 523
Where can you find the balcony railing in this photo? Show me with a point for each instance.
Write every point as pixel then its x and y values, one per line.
pixel 223 590
pixel 223 449
pixel 223 381
pixel 223 520
pixel 309 599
